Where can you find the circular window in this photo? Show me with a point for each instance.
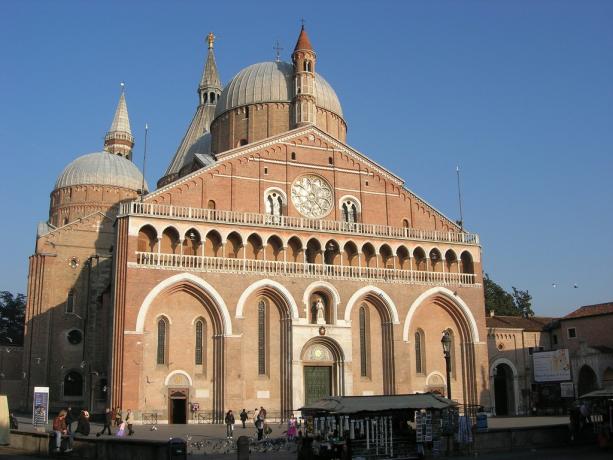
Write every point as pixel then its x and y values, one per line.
pixel 73 262
pixel 312 196
pixel 74 337
pixel 500 346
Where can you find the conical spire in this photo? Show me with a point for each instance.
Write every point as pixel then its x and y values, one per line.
pixel 303 42
pixel 197 136
pixel 209 83
pixel 119 139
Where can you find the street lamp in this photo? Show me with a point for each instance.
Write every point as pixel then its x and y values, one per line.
pixel 446 342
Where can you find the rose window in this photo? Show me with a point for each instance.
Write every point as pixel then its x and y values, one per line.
pixel 312 196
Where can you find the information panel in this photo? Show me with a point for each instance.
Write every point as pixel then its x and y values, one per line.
pixel 40 407
pixel 551 366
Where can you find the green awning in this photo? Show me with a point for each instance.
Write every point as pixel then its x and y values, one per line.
pixel 345 405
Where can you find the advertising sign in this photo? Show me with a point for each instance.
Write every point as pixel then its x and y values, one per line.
pixel 551 366
pixel 40 407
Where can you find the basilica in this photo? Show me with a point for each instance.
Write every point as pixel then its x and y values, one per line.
pixel 274 264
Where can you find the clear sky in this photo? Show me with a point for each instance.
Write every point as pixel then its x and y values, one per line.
pixel 518 93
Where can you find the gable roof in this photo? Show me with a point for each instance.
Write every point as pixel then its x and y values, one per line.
pixel 288 136
pixel 531 324
pixel 51 229
pixel 591 310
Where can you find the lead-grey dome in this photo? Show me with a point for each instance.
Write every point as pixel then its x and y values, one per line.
pixel 272 82
pixel 101 168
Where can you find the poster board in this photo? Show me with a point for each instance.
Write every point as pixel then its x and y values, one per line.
pixel 40 407
pixel 551 366
pixel 567 389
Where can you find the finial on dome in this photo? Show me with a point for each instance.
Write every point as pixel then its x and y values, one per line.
pixel 210 38
pixel 277 49
pixel 123 87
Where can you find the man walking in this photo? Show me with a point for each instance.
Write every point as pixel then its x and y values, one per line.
pixel 244 417
pixel 108 419
pixel 229 424
pixel 129 422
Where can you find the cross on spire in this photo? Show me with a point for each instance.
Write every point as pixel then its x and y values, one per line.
pixel 302 22
pixel 278 50
pixel 210 38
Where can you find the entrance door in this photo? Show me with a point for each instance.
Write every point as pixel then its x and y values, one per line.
pixel 317 383
pixel 177 405
pixel 501 390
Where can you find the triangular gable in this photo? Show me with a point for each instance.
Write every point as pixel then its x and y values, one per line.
pixel 288 137
pixel 75 223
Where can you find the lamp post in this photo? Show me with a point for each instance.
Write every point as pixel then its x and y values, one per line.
pixel 446 342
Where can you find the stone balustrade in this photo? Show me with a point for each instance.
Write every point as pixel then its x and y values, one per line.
pixel 136 208
pixel 298 269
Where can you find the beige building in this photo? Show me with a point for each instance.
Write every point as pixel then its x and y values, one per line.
pixel 274 264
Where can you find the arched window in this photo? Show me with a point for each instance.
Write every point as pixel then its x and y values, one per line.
pixel 261 337
pixel 147 239
pixel 293 155
pixel 212 97
pixel 363 342
pixel 349 210
pixel 162 348
pixel 73 384
pixel 70 301
pixel 211 204
pixel 199 342
pixel 405 223
pixel 420 366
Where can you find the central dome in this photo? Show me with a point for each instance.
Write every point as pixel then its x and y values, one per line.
pixel 272 82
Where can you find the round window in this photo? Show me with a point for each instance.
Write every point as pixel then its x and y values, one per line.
pixel 75 336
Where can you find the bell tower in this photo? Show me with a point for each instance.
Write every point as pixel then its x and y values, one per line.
pixel 119 139
pixel 304 59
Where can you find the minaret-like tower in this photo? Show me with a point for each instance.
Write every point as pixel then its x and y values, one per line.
pixel 119 139
pixel 304 59
pixel 210 86
pixel 209 91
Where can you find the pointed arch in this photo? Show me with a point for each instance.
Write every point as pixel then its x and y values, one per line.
pixel 195 281
pixel 455 299
pixel 357 295
pixel 271 285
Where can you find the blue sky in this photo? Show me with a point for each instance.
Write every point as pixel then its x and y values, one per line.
pixel 518 93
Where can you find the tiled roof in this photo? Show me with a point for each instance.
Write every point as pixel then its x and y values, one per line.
pixel 303 42
pixel 534 323
pixel 591 310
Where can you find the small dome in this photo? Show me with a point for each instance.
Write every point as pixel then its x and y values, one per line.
pixel 101 168
pixel 272 82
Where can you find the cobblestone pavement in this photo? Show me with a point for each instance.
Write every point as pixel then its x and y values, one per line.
pixel 583 453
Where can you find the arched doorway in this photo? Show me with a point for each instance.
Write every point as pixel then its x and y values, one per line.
pixel 178 397
pixel 587 380
pixel 504 398
pixel 323 369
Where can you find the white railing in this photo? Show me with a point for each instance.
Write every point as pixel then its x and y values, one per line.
pixel 136 208
pixel 273 267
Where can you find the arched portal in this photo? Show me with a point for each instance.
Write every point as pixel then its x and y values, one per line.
pixel 323 364
pixel 587 380
pixel 382 317
pixel 179 299
pixel 269 308
pixel 432 312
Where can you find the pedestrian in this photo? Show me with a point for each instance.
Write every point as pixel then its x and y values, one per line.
pixel 229 424
pixel 107 422
pixel 14 423
pixel 60 429
pixel 83 426
pixel 243 415
pixel 117 417
pixel 129 422
pixel 259 425
pixel 291 427
pixel 70 418
pixel 263 413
